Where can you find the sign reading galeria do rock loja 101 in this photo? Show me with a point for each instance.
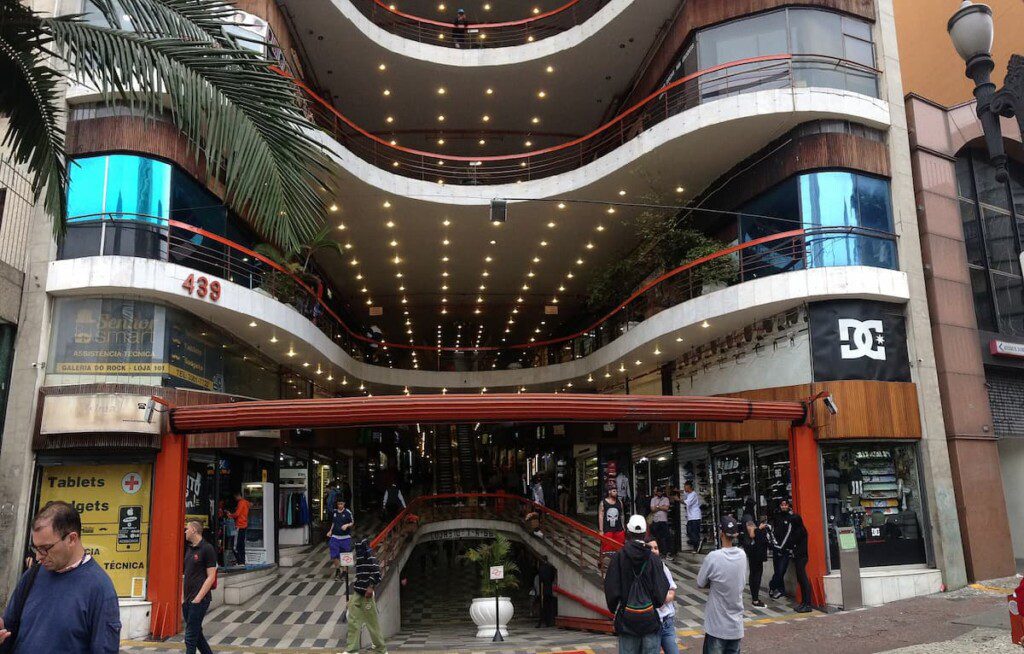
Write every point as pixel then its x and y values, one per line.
pixel 113 501
pixel 858 339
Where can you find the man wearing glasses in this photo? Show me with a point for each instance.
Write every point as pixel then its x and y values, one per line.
pixel 65 603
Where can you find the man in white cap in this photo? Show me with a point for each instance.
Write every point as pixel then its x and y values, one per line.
pixel 634 589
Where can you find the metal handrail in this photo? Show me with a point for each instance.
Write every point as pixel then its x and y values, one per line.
pixel 479 35
pixel 677 284
pixel 775 71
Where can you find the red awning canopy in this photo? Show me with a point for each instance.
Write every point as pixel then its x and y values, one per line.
pixel 511 407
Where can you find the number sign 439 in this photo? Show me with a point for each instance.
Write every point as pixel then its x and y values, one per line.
pixel 202 287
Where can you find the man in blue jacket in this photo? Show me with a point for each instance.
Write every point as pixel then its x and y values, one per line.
pixel 65 603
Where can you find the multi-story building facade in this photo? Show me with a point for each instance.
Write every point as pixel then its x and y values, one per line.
pixel 971 239
pixel 768 137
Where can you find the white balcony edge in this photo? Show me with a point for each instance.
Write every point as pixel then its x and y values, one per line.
pixel 481 57
pixel 720 115
pixel 724 310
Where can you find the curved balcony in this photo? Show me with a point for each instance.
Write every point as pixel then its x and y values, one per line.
pixel 758 90
pixel 729 289
pixel 502 34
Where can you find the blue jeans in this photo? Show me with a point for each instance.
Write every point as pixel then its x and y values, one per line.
pixel 713 645
pixel 693 533
pixel 240 546
pixel 649 644
pixel 669 639
pixel 193 615
pixel 778 582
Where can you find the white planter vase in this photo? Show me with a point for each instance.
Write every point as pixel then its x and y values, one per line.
pixel 482 612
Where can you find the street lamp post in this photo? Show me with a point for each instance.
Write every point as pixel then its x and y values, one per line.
pixel 971 31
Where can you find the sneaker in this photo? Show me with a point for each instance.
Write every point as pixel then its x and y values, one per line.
pixel 803 608
pixel 774 594
pixel 758 603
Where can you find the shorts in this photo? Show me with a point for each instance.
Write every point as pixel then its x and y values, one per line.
pixel 339 545
pixel 617 536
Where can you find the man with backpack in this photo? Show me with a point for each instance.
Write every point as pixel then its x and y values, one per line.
pixel 634 589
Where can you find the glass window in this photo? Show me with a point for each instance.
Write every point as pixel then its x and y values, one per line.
pixel 1009 297
pixel 742 39
pixel 842 199
pixel 1001 241
pixel 876 489
pixel 984 311
pixel 781 202
pixel 138 186
pixel 86 181
pixel 972 233
pixel 815 32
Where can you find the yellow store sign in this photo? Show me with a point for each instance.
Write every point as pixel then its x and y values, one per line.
pixel 114 503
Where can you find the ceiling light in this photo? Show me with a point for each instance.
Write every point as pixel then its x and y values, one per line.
pixel 486 118
pixel 526 287
pixel 394 164
pixel 541 94
pixel 679 189
pixel 348 246
pixel 550 69
pixel 638 362
pixel 529 274
pixel 611 209
pixel 487 6
pixel 252 324
pixel 444 274
pixel 387 91
pixel 359 276
pixel 705 324
pixel 440 141
pixel 342 227
pixel 536 259
pixel 543 244
pixel 535 120
pixel 441 91
pixel 622 367
pixel 363 290
pixel 551 225
pixel 397 260
pixel 446 222
pixel 354 262
pixel 607 374
pixel 561 289
pixel 291 352
pixel 489 91
pixel 273 339
pixel 528 143
pixel 394 244
pixel 679 339
pixel 483 288
pixel 440 118
pixel 488 259
pixel 657 351
pixel 622 192
pixel 334 207
pixel 390 224
pixel 382 67
pixel 590 246
pixel 600 228
pixel 485 273
pixel 394 142
pixel 569 275
pixel 579 262
pixel 389 119
pixel 482 142
pixel 446 242
pixel 444 259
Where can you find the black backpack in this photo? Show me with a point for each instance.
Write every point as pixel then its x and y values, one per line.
pixel 637 615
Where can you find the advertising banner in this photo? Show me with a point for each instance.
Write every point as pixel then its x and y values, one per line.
pixel 857 339
pixel 113 501
pixel 197 493
pixel 105 336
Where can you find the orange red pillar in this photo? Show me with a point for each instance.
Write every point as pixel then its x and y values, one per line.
pixel 805 475
pixel 167 535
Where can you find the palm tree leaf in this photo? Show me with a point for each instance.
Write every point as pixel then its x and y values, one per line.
pixel 30 96
pixel 243 117
pixel 190 20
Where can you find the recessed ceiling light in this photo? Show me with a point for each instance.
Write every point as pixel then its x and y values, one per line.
pixel 387 91
pixel 446 242
pixel 489 91
pixel 543 244
pixel 542 94
pixel 551 225
pixel 679 189
pixel 334 207
pixel 536 259
pixel 569 275
pixel 579 262
pixel 444 259
pixel 394 244
pixel 440 118
pixel 535 120
pixel 359 276
pixel 549 69
pixel 485 118
pixel 441 91
pixel 389 119
pixel 611 209
pixel 390 224
pixel 387 204
pixel 382 67
pixel 600 228
pixel 483 288
pixel 252 324
pixel 528 143
pixel 590 246
pixel 348 246
pixel 657 351
pixel 440 141
pixel 561 289
pixel 446 222
pixel 679 339
pixel 526 287
pixel 482 142
pixel 705 324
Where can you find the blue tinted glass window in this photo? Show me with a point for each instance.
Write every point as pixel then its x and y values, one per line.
pixel 830 201
pixel 139 187
pixel 85 187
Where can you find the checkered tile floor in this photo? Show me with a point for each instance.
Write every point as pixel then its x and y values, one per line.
pixel 301 611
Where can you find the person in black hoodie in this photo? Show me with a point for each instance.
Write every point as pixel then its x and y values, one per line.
pixel 781 535
pixel 754 541
pixel 633 560
pixel 799 540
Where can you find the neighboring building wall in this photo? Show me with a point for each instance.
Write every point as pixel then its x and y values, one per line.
pixel 935 453
pixel 936 136
pixel 931 67
pixel 1011 459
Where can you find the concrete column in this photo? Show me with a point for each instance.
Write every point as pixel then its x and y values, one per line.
pixel 167 535
pixel 938 482
pixel 805 473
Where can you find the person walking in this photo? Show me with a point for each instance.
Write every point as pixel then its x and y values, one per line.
pixel 610 522
pixel 754 541
pixel 339 536
pixel 723 572
pixel 660 505
pixel 393 503
pixel 241 517
pixel 625 490
pixel 200 575
pixel 780 537
pixel 694 516
pixel 799 539
pixel 667 611
pixel 537 490
pixel 362 609
pixel 66 603
pixel 547 576
pixel 634 589
pixel 460 30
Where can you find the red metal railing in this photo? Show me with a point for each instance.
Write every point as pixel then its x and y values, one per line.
pixel 177 242
pixel 579 543
pixel 479 35
pixel 745 75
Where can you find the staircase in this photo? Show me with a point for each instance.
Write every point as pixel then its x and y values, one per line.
pixel 469 470
pixel 444 474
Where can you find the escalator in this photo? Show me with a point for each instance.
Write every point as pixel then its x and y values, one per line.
pixel 469 468
pixel 444 472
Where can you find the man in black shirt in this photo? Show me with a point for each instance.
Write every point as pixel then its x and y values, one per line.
pixel 461 30
pixel 200 575
pixel 611 521
pixel 547 575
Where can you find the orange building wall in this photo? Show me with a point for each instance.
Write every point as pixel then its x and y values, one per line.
pixel 931 67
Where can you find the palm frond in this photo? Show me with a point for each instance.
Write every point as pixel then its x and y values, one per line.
pixel 242 115
pixel 30 96
pixel 189 20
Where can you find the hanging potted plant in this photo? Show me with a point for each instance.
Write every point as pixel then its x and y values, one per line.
pixel 483 610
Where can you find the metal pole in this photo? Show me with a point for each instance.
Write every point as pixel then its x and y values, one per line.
pixel 497 622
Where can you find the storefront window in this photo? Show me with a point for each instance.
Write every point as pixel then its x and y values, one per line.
pixel 131 341
pixel 875 488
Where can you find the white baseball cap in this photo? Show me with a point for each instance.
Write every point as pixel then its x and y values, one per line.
pixel 637 525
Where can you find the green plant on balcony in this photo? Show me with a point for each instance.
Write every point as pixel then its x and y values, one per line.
pixel 295 262
pixel 494 553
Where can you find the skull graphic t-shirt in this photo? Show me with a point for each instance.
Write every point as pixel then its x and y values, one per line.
pixel 613 516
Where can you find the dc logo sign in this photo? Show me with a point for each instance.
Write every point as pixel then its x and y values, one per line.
pixel 861 338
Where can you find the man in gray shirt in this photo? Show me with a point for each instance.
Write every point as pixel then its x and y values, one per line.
pixel 724 572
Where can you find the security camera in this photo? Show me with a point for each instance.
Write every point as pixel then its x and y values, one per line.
pixel 830 404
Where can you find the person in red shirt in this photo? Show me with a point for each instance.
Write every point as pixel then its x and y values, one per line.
pixel 241 518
